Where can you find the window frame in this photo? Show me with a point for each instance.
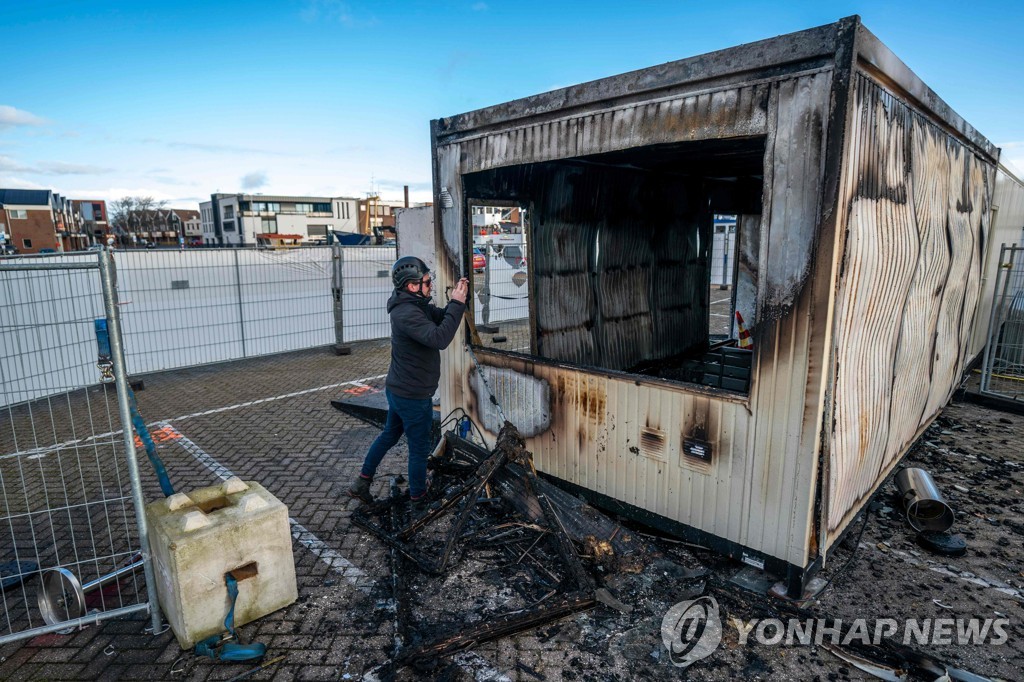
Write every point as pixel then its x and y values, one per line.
pixel 500 355
pixel 467 265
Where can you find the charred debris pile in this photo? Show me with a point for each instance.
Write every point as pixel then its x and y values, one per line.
pixel 499 551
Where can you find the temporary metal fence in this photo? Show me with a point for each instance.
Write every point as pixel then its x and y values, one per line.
pixel 1003 367
pixel 501 296
pixel 361 284
pixel 723 254
pixel 71 506
pixel 188 307
pixel 70 500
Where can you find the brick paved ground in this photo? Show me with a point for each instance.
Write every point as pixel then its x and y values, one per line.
pixel 305 452
pixel 301 449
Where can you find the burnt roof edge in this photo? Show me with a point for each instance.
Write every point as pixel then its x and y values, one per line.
pixel 791 48
pixel 874 58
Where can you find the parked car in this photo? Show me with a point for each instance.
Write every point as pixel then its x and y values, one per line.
pixel 513 253
pixel 479 260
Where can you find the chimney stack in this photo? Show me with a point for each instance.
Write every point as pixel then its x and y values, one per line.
pixel 406 196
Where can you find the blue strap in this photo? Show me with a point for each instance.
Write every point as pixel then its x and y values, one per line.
pixel 229 621
pixel 104 358
pixel 232 651
pixel 147 442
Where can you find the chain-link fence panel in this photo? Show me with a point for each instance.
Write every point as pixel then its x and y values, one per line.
pixel 72 531
pixel 1003 368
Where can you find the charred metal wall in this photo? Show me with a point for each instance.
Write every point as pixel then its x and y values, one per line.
pixel 915 205
pixel 622 435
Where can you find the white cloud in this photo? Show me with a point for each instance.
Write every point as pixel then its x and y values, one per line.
pixel 399 186
pixel 11 182
pixel 10 117
pixel 1014 163
pixel 63 168
pixel 254 180
pixel 51 167
pixel 112 193
pixel 9 164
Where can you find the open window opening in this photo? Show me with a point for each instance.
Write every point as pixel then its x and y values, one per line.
pixel 635 261
pixel 501 275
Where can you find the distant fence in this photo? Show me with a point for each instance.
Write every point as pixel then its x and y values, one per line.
pixel 366 282
pixel 183 308
pixel 723 254
pixel 1002 371
pixel 503 293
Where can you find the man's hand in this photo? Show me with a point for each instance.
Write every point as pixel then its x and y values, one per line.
pixel 460 291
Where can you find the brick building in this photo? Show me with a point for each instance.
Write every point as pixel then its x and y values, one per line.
pixel 93 214
pixel 28 220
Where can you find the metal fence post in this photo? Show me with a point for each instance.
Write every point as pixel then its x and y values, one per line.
pixel 241 308
pixel 997 298
pixel 338 294
pixel 121 382
pixel 484 325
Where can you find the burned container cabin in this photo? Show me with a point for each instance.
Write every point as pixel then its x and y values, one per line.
pixel 861 205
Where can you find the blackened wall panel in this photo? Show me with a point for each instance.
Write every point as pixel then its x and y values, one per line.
pixel 916 207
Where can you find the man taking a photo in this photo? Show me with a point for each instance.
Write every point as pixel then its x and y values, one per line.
pixel 419 331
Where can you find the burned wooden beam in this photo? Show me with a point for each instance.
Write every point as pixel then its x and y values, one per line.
pixel 505 626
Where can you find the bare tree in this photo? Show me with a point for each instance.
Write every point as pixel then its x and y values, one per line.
pixel 131 215
pixel 120 214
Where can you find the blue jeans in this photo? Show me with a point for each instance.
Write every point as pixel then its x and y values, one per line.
pixel 413 418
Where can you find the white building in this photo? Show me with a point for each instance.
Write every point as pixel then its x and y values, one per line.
pixel 236 219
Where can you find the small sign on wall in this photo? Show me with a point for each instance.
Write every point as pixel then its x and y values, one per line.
pixel 697 449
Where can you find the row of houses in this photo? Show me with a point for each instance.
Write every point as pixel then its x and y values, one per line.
pixel 41 221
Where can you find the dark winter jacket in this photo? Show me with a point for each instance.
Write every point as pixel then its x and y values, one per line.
pixel 419 331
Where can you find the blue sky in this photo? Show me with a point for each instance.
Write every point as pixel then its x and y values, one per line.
pixel 178 100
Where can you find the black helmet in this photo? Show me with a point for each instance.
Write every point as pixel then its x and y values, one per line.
pixel 408 269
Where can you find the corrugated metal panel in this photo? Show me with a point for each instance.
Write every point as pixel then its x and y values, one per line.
pixel 623 436
pixel 917 203
pixel 734 112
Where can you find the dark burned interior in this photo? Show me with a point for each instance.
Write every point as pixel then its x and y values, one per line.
pixel 619 254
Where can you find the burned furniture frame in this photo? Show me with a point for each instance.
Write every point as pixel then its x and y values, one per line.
pixel 509 466
pixel 855 349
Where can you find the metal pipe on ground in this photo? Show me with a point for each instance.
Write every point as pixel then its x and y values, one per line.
pixel 925 507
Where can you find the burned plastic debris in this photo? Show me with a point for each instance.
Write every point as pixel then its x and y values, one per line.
pixel 494 504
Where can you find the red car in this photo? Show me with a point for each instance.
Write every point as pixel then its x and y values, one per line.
pixel 479 261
